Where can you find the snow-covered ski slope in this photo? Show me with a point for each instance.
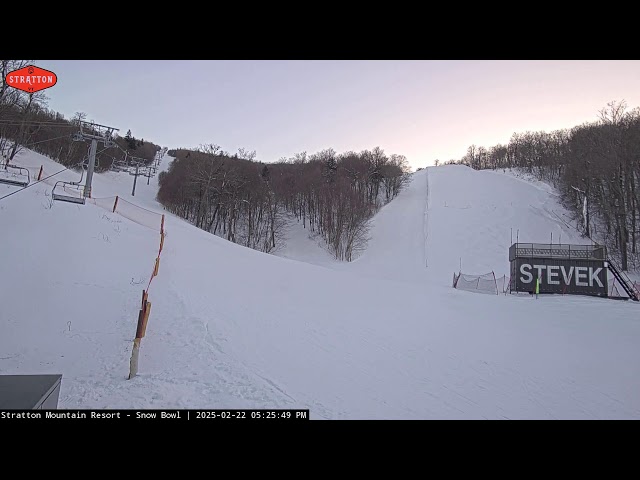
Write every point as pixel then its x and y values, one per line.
pixel 383 337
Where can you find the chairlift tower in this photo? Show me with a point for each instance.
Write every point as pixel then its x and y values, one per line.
pixel 96 133
pixel 137 162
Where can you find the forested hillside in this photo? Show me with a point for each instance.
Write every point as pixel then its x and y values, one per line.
pixel 249 202
pixel 596 168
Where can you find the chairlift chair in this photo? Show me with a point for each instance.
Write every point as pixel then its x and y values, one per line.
pixel 17 176
pixel 120 166
pixel 72 192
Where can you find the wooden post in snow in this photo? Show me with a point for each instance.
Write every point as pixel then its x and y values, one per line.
pixel 143 316
pixel 133 363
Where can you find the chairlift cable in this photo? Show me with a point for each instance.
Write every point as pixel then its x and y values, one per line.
pixel 42 141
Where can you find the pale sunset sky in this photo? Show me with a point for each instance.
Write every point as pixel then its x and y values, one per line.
pixel 423 109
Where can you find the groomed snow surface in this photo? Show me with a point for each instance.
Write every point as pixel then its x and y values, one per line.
pixel 383 337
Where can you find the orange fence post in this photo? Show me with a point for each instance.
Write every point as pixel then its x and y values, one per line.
pixel 145 318
pixel 115 204
pixel 140 324
pixel 145 310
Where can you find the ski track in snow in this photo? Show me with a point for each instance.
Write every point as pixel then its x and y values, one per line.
pixel 426 222
pixel 380 337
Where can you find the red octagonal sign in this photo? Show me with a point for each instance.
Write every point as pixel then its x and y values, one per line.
pixel 31 79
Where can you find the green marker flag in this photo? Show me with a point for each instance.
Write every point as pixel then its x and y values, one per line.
pixel 537 285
